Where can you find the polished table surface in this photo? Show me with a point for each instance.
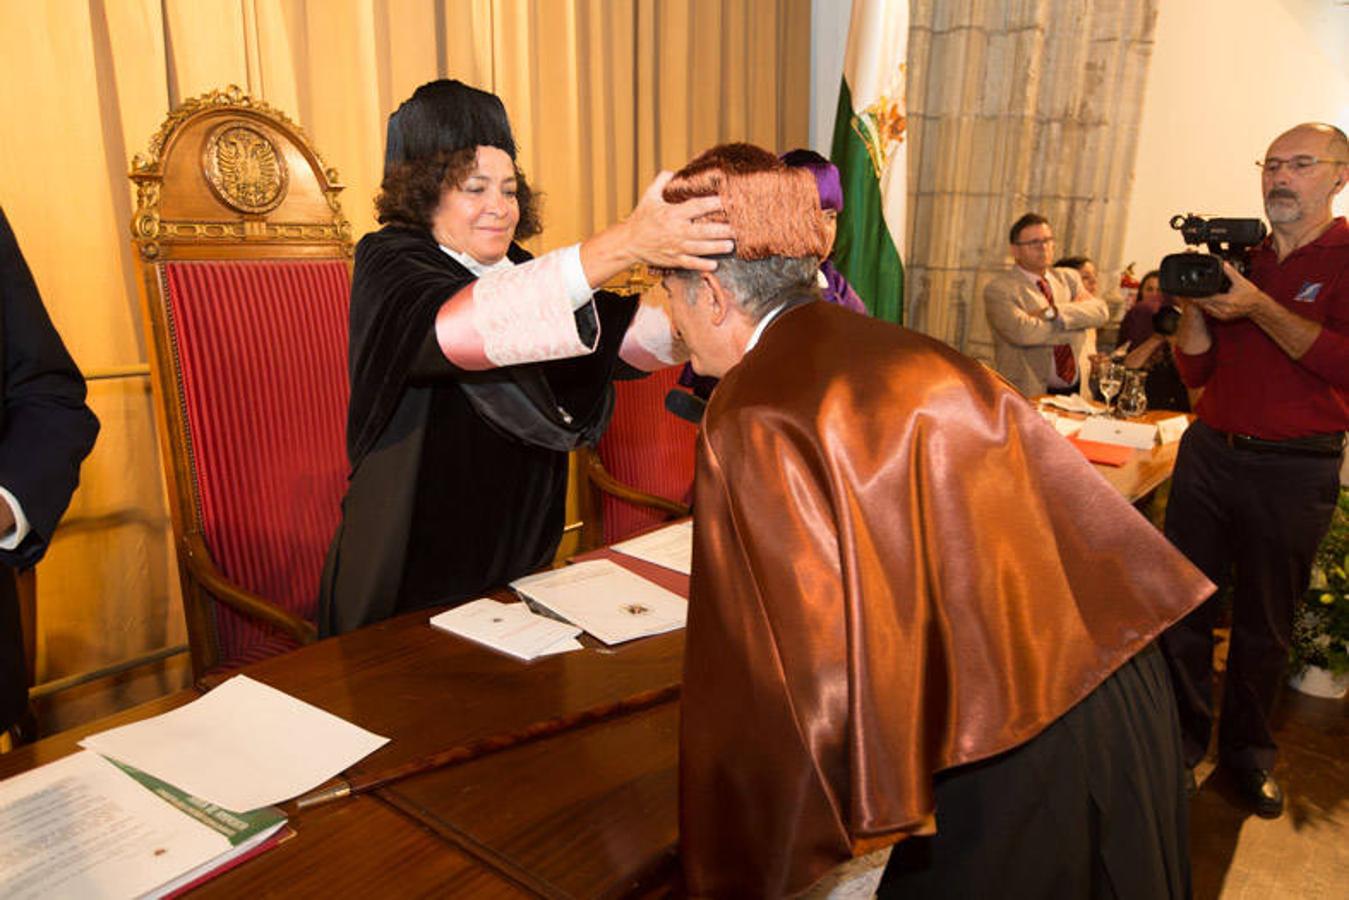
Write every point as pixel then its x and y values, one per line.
pixel 587 812
pixel 590 811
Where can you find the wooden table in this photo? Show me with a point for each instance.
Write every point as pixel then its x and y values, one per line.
pixel 543 818
pixel 1146 470
pixel 588 812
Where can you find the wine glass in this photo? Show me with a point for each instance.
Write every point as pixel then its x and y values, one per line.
pixel 1098 363
pixel 1133 398
pixel 1112 378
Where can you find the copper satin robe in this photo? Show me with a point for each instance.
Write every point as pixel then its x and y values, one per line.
pixel 898 567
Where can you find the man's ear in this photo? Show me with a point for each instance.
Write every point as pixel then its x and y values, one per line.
pixel 718 297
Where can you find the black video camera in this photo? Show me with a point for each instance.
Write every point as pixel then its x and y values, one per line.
pixel 1166 320
pixel 1195 274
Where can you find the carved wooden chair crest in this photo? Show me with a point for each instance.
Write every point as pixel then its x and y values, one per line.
pixel 243 257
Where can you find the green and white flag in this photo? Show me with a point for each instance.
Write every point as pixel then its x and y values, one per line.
pixel 869 152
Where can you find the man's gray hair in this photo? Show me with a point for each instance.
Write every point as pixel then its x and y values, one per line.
pixel 757 286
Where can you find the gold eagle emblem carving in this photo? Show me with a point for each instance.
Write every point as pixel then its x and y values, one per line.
pixel 244 168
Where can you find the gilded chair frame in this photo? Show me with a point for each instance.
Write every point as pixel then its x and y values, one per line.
pixel 191 205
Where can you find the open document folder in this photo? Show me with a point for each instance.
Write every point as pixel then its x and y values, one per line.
pixel 85 827
pixel 508 628
pixel 243 745
pixel 606 600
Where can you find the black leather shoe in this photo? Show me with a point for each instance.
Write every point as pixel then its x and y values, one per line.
pixel 1260 791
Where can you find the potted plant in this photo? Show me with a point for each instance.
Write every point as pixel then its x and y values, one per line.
pixel 1320 651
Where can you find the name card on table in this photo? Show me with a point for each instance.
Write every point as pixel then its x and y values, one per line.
pixel 1169 430
pixel 1139 435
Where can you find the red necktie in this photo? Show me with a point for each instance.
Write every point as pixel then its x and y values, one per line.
pixel 1064 365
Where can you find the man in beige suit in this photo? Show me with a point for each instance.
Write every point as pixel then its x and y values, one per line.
pixel 1041 316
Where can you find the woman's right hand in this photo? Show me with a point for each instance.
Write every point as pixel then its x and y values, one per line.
pixel 660 234
pixel 670 236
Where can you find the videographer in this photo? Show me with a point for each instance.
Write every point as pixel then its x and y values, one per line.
pixel 1257 475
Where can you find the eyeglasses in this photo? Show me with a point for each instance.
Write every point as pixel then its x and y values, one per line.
pixel 1038 242
pixel 1297 165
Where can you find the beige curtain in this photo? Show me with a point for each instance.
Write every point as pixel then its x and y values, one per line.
pixel 602 94
pixel 1013 107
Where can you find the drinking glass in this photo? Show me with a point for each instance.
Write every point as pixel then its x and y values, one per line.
pixel 1098 363
pixel 1133 397
pixel 1112 378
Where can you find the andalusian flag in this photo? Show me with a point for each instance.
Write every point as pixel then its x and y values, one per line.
pixel 869 153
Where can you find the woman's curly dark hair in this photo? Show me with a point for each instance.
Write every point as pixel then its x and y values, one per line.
pixel 411 191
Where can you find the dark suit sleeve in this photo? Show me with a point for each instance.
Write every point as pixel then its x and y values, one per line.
pixel 46 429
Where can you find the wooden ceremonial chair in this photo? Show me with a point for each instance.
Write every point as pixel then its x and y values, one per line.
pixel 641 473
pixel 243 257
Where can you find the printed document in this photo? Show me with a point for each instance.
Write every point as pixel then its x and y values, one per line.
pixel 508 628
pixel 82 827
pixel 606 600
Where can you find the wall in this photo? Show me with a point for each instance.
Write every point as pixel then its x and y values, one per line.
pixel 1228 76
pixel 828 42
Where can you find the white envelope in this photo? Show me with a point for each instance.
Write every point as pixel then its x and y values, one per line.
pixel 1139 435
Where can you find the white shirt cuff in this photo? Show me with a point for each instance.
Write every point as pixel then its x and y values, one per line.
pixel 579 290
pixel 21 527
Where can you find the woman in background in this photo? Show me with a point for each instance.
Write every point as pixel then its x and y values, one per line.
pixel 1149 326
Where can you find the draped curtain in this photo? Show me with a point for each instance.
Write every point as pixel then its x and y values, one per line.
pixel 602 94
pixel 1014 106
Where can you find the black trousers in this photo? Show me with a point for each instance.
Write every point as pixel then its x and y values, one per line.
pixel 1092 807
pixel 1252 520
pixel 13 670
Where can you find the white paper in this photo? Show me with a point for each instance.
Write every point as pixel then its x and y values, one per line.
pixel 1062 424
pixel 671 547
pixel 1071 403
pixel 80 827
pixel 606 600
pixel 1170 429
pixel 1139 435
pixel 509 628
pixel 242 746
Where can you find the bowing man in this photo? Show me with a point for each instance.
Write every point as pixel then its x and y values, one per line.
pixel 916 613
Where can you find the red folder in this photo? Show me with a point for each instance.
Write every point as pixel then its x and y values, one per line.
pixel 1105 454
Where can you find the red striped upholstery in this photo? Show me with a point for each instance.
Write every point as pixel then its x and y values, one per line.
pixel 261 351
pixel 647 448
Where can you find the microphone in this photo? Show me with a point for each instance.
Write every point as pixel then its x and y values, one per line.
pixel 685 405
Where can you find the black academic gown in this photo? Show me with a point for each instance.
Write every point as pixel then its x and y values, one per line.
pixel 458 479
pixel 45 431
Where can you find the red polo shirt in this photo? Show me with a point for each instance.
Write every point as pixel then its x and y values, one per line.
pixel 1250 385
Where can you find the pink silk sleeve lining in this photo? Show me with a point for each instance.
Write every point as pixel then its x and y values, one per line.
pixel 649 342
pixel 512 316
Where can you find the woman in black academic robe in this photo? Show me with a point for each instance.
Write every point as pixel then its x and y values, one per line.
pixel 475 369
